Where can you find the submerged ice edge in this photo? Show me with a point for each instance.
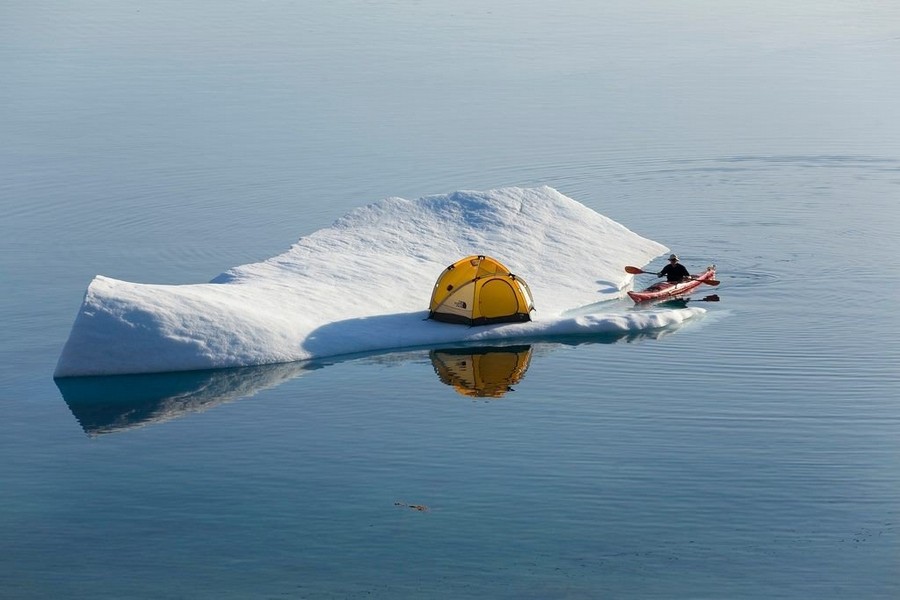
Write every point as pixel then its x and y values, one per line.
pixel 409 330
pixel 361 284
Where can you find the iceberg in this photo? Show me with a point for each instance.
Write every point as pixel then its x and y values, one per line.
pixel 364 283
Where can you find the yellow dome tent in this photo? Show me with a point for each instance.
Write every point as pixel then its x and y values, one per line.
pixel 481 372
pixel 478 290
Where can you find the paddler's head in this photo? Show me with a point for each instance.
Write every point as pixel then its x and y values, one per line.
pixel 673 258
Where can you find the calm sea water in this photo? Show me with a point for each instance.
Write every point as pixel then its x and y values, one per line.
pixel 753 454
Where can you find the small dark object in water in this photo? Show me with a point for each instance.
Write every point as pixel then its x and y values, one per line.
pixel 418 507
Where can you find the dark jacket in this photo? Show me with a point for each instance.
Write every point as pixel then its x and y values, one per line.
pixel 674 272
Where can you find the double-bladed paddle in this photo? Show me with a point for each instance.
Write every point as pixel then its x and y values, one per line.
pixel 676 302
pixel 637 271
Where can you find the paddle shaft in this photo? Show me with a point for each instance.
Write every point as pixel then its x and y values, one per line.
pixel 683 301
pixel 712 298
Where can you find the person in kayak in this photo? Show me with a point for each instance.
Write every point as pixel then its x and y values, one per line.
pixel 674 271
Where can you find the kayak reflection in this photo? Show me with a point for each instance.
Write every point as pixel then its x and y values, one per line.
pixel 673 302
pixel 487 372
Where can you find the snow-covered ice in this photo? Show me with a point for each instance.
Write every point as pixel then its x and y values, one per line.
pixel 364 284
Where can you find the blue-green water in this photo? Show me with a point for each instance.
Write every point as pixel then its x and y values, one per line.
pixel 753 454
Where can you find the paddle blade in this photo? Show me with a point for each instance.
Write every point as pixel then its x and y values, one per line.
pixel 634 270
pixel 712 298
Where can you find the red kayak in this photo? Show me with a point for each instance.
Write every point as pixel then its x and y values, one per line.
pixel 665 289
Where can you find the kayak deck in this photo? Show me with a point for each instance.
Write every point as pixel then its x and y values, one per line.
pixel 665 289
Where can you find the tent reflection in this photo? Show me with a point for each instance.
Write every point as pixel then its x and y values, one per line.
pixel 486 372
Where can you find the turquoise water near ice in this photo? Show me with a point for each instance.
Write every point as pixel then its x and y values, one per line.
pixel 750 455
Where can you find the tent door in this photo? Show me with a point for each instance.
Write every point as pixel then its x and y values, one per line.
pixel 497 299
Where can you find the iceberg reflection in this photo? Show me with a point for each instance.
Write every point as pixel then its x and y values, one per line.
pixel 115 403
